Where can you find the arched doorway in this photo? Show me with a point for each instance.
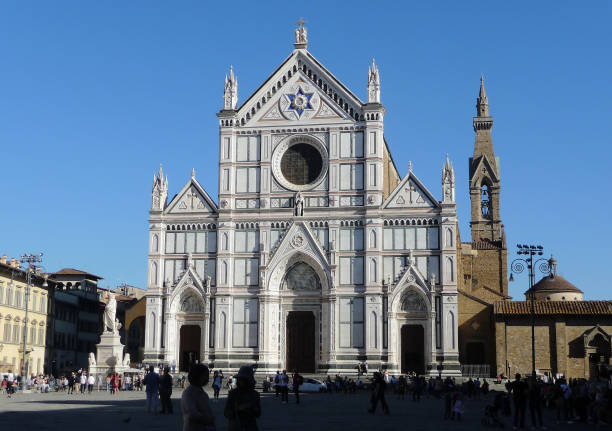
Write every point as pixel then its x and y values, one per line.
pixel 413 349
pixel 189 350
pixel 300 341
pixel 598 351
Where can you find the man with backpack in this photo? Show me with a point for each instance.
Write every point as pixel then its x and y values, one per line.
pixel 297 381
pixel 283 382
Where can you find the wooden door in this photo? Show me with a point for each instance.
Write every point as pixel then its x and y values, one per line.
pixel 189 346
pixel 413 349
pixel 300 342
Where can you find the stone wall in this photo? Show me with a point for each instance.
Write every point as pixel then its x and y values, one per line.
pixel 482 281
pixel 559 344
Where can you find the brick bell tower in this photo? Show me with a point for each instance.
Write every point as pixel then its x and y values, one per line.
pixel 488 236
pixel 484 261
pixel 484 177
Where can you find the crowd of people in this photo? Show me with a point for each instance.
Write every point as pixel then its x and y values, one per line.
pixel 75 382
pixel 587 401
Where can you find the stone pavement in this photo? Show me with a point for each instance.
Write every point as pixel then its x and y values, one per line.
pixel 333 412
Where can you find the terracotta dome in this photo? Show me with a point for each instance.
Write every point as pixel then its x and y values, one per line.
pixel 554 283
pixel 554 287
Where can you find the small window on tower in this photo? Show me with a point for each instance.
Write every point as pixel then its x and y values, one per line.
pixel 485 202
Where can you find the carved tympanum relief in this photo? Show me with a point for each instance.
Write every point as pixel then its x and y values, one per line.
pixel 301 276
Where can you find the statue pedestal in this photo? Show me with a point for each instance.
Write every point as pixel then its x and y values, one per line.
pixel 109 355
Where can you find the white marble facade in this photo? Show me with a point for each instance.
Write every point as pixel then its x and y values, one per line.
pixel 303 224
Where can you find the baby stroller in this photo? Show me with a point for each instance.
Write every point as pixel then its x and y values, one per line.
pixel 490 418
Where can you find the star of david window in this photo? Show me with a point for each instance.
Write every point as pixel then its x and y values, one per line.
pixel 300 101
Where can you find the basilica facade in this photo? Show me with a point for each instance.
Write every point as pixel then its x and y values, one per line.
pixel 317 253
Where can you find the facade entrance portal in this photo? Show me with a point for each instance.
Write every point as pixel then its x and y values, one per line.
pixel 413 349
pixel 189 346
pixel 301 342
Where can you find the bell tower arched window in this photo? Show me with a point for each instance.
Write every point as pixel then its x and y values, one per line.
pixel 485 202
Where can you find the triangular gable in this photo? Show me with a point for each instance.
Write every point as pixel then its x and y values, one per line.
pixel 189 279
pixel 298 101
pixel 590 334
pixel 410 277
pixel 411 193
pixel 271 102
pixel 191 199
pixel 299 238
pixel 298 244
pixel 483 167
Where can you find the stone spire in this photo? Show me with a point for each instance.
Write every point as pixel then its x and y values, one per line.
pixel 485 181
pixel 448 182
pixel 482 102
pixel 230 91
pixel 301 35
pixel 483 124
pixel 373 84
pixel 160 191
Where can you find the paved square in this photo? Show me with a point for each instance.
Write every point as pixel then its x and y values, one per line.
pixel 126 411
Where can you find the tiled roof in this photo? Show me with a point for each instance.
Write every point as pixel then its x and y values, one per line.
pixel 72 271
pixel 553 307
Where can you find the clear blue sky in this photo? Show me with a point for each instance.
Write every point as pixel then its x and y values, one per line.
pixel 94 95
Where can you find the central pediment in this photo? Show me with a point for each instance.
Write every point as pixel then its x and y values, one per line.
pixel 300 91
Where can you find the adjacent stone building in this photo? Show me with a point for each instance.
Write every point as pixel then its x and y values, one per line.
pixel 76 327
pixel 14 292
pixel 319 254
pixel 572 336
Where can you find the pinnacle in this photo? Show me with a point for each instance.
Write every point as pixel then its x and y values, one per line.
pixel 482 102
pixel 482 94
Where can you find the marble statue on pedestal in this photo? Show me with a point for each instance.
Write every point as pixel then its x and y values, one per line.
pixel 110 310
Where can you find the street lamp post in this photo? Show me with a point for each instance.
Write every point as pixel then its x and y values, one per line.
pixel 517 267
pixel 31 259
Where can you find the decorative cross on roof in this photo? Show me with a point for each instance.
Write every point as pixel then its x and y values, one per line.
pixel 410 189
pixel 301 35
pixel 192 195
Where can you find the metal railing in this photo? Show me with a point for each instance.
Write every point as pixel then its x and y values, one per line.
pixel 476 370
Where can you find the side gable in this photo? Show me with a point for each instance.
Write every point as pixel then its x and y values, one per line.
pixel 298 244
pixel 410 278
pixel 299 238
pixel 191 199
pixel 411 193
